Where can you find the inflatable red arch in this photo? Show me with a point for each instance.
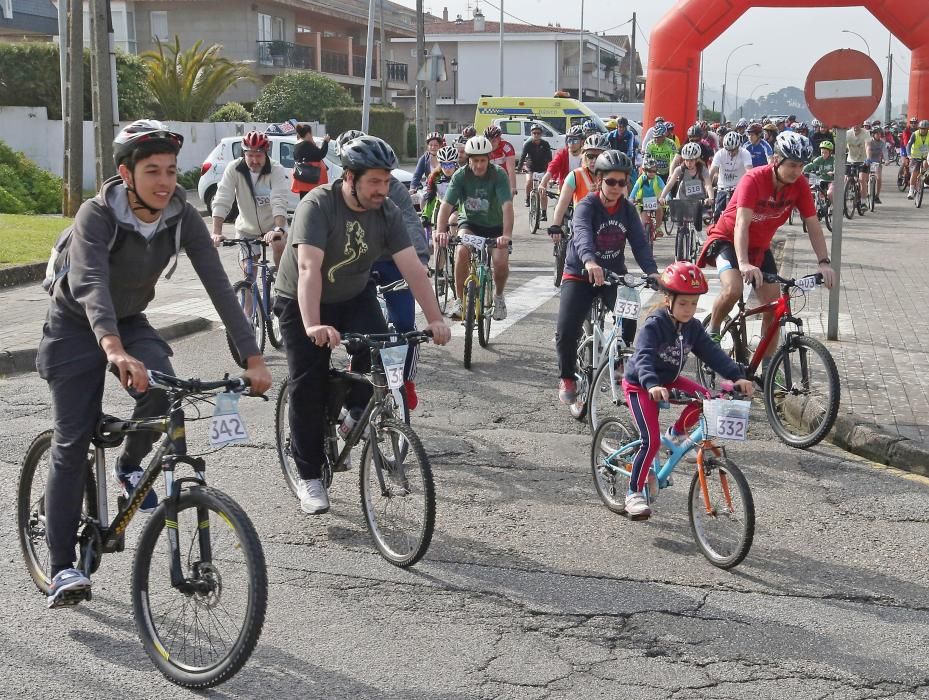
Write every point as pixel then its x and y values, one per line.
pixel 671 89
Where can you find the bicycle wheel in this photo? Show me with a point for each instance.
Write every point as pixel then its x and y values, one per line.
pixel 245 297
pixel 615 442
pixel 667 223
pixel 584 374
pixel 919 194
pixel 903 179
pixel 535 213
pixel 272 322
pixel 827 214
pixel 849 205
pixel 872 192
pixel 860 201
pixel 282 435
pixel 487 310
pixel 398 499
pixel 440 281
pixel 681 244
pixel 802 392
pixel 721 511
pixel 560 252
pixel 729 344
pixel 202 632
pixel 470 308
pixel 30 507
pixel 606 398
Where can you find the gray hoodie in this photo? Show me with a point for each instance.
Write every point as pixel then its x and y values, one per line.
pixel 113 269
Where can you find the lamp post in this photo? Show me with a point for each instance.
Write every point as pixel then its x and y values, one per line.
pixel 722 106
pixel 454 81
pixel 867 47
pixel 752 94
pixel 738 78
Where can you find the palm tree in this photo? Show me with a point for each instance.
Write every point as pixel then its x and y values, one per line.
pixel 186 85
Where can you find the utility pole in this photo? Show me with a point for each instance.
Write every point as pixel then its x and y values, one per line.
pixel 382 68
pixel 420 51
pixel 632 94
pixel 580 59
pixel 502 94
pixel 888 100
pixel 73 112
pixel 101 85
pixel 63 54
pixel 369 64
pixel 700 107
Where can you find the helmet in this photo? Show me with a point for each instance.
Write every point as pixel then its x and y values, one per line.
pixel 876 129
pixel 478 146
pixel 367 153
pixel 695 130
pixel 793 146
pixel 691 151
pixel 659 120
pixel 596 142
pixel 649 163
pixel 924 124
pixel 754 128
pixel 659 130
pixel 534 127
pixel 493 131
pixel 613 161
pixel 345 137
pixel 611 124
pixel 589 126
pixel 731 141
pixel 803 126
pixel 575 132
pixel 435 136
pixel 913 120
pixel 256 141
pixel 741 124
pixel 794 126
pixel 876 122
pixel 143 131
pixel 828 145
pixel 769 127
pixel 866 123
pixel 669 126
pixel 447 154
pixel 683 277
pixel 722 131
pixel 817 124
pixel 468 132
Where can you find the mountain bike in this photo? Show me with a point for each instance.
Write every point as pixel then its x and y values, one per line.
pixel 478 307
pixel 560 247
pixel 853 201
pixel 443 277
pixel 720 506
pixel 684 213
pixel 801 385
pixel 873 170
pixel 256 300
pixel 903 175
pixel 535 202
pixel 650 209
pixel 395 476
pixel 199 584
pixel 923 184
pixel 820 191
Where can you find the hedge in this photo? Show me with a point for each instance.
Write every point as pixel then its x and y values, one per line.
pixel 24 187
pixel 300 95
pixel 30 78
pixel 386 123
pixel 231 112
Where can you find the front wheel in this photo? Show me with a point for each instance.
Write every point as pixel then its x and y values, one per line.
pixel 903 179
pixel 827 214
pixel 790 218
pixel 849 207
pixel 248 301
pixel 729 344
pixel 200 631
pixel 535 213
pixel 802 392
pixel 487 311
pixel 397 493
pixel 872 193
pixel 470 308
pixel 614 445
pixel 919 193
pixel 282 436
pixel 442 281
pixel 721 511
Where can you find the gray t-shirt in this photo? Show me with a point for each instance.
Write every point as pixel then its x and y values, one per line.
pixel 352 242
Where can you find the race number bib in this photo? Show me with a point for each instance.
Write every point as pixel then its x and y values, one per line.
pixel 874 167
pixel 476 242
pixel 442 188
pixel 693 189
pixel 726 420
pixel 262 200
pixel 649 203
pixel 394 359
pixel 807 283
pixel 731 428
pixel 627 304
pixel 814 180
pixel 226 425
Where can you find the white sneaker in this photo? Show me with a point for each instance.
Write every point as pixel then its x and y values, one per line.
pixel 499 308
pixel 456 314
pixel 313 496
pixel 636 507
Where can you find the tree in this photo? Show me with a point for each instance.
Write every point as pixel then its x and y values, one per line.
pixel 786 101
pixel 299 95
pixel 186 85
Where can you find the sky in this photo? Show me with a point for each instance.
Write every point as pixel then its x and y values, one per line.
pixel 787 42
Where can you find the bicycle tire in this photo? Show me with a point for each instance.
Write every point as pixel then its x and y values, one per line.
pixel 440 281
pixel 849 203
pixel 535 212
pixel 667 223
pixel 705 375
pixel 560 253
pixel 471 303
pixel 716 470
pixel 681 249
pixel 406 550
pixel 919 194
pixel 790 217
pixel 600 403
pixel 827 215
pixel 246 551
pixel 30 509
pixel 584 374
pixel 860 202
pixel 486 299
pixel 611 436
pixel 872 193
pixel 777 411
pixel 903 179
pixel 282 437
pixel 257 321
pixel 272 322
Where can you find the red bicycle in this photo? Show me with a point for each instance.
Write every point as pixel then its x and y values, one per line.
pixel 801 385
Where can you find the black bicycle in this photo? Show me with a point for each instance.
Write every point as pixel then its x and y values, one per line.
pixel 684 212
pixel 199 584
pixel 560 247
pixel 395 477
pixel 256 299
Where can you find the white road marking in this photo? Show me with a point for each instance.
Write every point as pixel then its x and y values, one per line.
pixel 519 304
pixel 189 307
pixel 518 268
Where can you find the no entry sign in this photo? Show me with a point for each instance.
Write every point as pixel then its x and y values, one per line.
pixel 844 88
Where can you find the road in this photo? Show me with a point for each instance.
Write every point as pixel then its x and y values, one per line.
pixel 531 588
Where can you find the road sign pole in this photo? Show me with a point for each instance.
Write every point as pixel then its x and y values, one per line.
pixel 838 214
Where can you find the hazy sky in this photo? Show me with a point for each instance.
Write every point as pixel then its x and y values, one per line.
pixel 786 42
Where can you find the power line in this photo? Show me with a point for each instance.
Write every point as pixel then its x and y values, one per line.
pixel 609 29
pixel 519 19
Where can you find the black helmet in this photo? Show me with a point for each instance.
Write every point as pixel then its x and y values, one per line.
pixel 610 161
pixel 368 153
pixel 148 132
pixel 695 130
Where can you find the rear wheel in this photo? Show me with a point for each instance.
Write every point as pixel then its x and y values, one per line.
pixel 903 179
pixel 584 373
pixel 470 296
pixel 282 435
pixel 827 214
pixel 244 294
pixel 729 344
pixel 872 192
pixel 721 511
pixel 614 444
pixel 272 322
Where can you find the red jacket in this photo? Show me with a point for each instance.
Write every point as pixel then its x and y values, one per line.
pixel 560 165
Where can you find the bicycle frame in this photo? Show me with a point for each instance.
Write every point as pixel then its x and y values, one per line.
pixel 262 293
pixel 480 268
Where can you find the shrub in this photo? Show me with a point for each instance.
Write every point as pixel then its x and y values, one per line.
pixel 386 123
pixel 189 179
pixel 27 189
pixel 411 147
pixel 231 112
pixel 303 96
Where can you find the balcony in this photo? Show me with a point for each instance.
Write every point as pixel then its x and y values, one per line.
pixel 283 54
pixel 274 56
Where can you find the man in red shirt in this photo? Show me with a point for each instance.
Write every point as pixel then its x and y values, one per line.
pixel 567 159
pixel 503 155
pixel 739 244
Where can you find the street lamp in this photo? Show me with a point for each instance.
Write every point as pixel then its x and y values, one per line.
pixel 738 78
pixel 722 106
pixel 752 94
pixel 849 31
pixel 455 81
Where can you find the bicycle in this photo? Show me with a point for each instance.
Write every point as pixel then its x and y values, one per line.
pixel 873 169
pixel 790 383
pixel 684 213
pixel 820 189
pixel 443 277
pixel 560 247
pixel 719 499
pixel 395 476
pixel 903 175
pixel 186 606
pixel 382 290
pixel 650 209
pixel 721 207
pixel 853 201
pixel 535 202
pixel 248 291
pixel 478 294
pixel 923 184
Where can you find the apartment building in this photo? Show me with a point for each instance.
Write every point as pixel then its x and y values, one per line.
pixel 28 20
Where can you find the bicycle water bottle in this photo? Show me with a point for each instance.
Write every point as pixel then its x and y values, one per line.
pixel 348 422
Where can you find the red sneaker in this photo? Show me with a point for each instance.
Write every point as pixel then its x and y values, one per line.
pixel 409 389
pixel 567 391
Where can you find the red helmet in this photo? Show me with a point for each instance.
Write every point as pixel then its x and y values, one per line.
pixel 492 132
pixel 256 141
pixel 683 277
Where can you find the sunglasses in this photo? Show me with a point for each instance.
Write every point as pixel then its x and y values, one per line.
pixel 453 164
pixel 575 140
pixel 591 156
pixel 613 182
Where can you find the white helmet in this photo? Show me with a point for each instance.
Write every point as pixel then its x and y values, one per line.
pixel 478 146
pixel 793 146
pixel 691 151
pixel 732 140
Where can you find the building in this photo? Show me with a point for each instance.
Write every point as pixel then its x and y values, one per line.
pixel 28 20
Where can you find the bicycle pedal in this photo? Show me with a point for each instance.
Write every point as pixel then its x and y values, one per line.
pixel 69 599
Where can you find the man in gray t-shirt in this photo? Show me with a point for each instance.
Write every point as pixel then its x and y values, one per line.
pixel 338 232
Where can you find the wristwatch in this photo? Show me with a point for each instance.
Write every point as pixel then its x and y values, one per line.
pixel 825 261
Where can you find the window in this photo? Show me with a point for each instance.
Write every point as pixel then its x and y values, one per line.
pixel 264 27
pixel 304 29
pixel 286 154
pixel 278 27
pixel 512 128
pixel 159 22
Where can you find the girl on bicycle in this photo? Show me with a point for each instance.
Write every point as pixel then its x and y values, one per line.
pixel 665 340
pixel 434 194
pixel 694 179
pixel 648 184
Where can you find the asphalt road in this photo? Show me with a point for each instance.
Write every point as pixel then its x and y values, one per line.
pixel 531 588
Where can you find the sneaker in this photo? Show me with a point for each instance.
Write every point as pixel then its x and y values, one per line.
pixel 909 194
pixel 636 507
pixel 499 307
pixel 456 311
pixel 567 391
pixel 544 216
pixel 129 480
pixel 314 499
pixel 676 438
pixel 69 587
pixel 877 200
pixel 409 390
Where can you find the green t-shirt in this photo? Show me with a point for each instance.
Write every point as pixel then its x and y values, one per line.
pixel 352 241
pixel 821 167
pixel 663 154
pixel 481 199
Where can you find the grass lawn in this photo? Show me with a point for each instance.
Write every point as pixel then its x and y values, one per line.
pixel 28 239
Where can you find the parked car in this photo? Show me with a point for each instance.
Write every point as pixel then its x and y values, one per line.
pixel 282 150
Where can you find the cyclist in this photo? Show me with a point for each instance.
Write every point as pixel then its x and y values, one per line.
pixel 875 148
pixel 709 136
pixel 579 183
pixel 694 179
pixel 759 149
pixel 739 243
pixel 428 161
pixel 729 165
pixel 481 193
pixel 623 139
pixel 820 134
pixel 538 153
pixel 566 159
pixel 740 128
pixel 661 350
pixel 650 134
pixel 339 231
pixel 695 135
pixel 466 133
pixel 105 272
pixel 603 223
pixel 669 132
pixel 770 134
pixel 589 128
pixel 663 150
pixel 503 155
pixel 823 167
pixel 857 139
pixel 648 184
pixel 918 150
pixel 437 184
pixel 259 186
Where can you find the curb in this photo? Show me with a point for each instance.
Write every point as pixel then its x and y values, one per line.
pixel 22 274
pixel 23 361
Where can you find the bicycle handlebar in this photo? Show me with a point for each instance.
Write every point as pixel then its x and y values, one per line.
pixel 229 242
pixel 633 281
pixel 353 341
pixel 774 278
pixel 195 386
